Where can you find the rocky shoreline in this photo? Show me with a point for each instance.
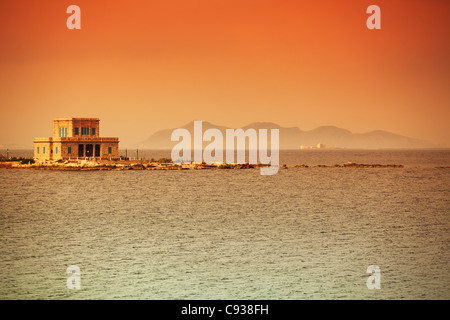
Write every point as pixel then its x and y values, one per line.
pixel 86 165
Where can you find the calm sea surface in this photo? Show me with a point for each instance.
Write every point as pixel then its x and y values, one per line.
pixel 307 233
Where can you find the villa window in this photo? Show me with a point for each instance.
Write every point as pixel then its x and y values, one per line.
pixel 63 132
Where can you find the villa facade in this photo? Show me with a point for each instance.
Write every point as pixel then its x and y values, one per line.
pixel 76 138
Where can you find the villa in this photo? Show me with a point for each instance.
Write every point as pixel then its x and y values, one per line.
pixel 76 138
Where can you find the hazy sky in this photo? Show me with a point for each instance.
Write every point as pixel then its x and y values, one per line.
pixel 145 65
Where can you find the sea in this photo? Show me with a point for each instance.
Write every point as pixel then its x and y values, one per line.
pixel 303 233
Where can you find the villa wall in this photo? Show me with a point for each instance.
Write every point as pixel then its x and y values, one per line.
pixel 43 150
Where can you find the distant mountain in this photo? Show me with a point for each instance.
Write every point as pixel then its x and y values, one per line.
pixel 293 137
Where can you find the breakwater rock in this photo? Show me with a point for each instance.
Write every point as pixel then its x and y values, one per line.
pixel 120 165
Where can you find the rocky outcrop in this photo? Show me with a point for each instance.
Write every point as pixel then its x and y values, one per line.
pixel 146 165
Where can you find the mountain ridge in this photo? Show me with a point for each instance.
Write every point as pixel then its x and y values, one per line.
pixel 294 137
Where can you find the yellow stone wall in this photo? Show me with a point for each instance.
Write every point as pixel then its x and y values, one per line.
pixel 72 123
pixel 41 156
pixel 114 150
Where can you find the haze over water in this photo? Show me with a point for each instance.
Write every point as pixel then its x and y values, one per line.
pixel 306 233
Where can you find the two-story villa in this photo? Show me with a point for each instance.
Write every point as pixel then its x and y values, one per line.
pixel 75 138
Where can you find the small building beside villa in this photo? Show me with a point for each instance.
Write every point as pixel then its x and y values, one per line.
pixel 76 138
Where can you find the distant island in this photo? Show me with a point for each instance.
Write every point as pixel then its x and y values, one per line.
pixel 294 138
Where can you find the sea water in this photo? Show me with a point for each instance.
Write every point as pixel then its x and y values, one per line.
pixel 304 233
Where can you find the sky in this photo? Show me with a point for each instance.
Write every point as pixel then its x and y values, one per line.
pixel 146 65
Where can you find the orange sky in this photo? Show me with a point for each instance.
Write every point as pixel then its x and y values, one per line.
pixel 146 65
